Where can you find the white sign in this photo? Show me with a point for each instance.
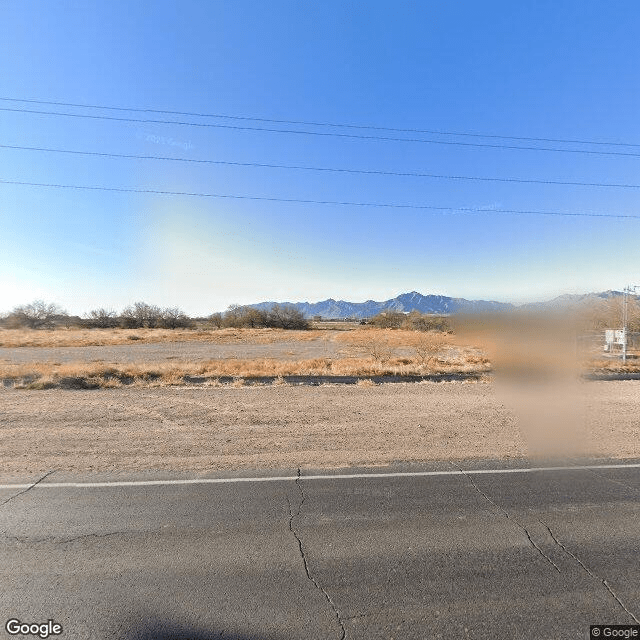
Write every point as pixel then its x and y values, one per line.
pixel 615 336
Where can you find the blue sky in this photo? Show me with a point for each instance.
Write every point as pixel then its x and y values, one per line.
pixel 546 69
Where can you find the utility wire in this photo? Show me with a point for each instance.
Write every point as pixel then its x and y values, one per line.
pixel 376 172
pixel 321 124
pixel 321 202
pixel 324 133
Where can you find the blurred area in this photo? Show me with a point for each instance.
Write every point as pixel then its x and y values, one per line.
pixel 539 360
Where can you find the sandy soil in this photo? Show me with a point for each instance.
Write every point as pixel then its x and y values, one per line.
pixel 285 426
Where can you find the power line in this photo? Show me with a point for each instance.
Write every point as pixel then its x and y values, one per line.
pixel 377 172
pixel 324 133
pixel 321 202
pixel 322 124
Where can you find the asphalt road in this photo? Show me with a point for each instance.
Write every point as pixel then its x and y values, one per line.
pixel 539 555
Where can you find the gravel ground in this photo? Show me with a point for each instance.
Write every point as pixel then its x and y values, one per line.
pixel 284 426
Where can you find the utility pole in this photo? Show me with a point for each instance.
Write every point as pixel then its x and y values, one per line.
pixel 625 317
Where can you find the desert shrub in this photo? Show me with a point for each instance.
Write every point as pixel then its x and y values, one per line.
pixel 239 317
pixel 286 317
pixel 278 317
pixel 141 315
pixel 174 318
pixel 414 321
pixel 380 351
pixel 150 316
pixel 127 321
pixel 101 319
pixel 388 320
pixel 216 320
pixel 37 315
pixel 417 321
pixel 429 347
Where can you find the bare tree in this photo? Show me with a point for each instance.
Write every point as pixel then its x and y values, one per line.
pixel 381 351
pixel 279 316
pixel 174 318
pixel 253 318
pixel 286 317
pixel 233 316
pixel 37 315
pixel 239 316
pixel 429 347
pixel 141 315
pixel 102 318
pixel 216 320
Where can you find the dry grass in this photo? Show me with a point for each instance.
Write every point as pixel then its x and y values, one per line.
pixel 391 338
pixel 104 337
pixel 355 335
pixel 369 352
pixel 616 366
pixel 94 375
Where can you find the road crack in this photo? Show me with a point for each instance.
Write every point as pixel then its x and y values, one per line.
pixel 589 572
pixel 296 535
pixel 509 517
pixel 556 541
pixel 17 495
pixel 60 540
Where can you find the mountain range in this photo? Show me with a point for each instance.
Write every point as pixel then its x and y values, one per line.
pixel 406 302
pixel 435 304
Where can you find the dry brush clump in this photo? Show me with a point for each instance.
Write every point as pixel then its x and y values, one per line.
pixel 412 321
pixel 380 351
pixel 429 347
pixel 278 316
pixel 82 375
pixel 632 365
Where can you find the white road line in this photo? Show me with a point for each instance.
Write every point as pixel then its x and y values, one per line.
pixel 342 476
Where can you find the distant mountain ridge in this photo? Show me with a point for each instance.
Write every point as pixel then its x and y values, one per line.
pixel 435 304
pixel 405 302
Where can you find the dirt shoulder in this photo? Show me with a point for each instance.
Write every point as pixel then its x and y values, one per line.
pixel 284 426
